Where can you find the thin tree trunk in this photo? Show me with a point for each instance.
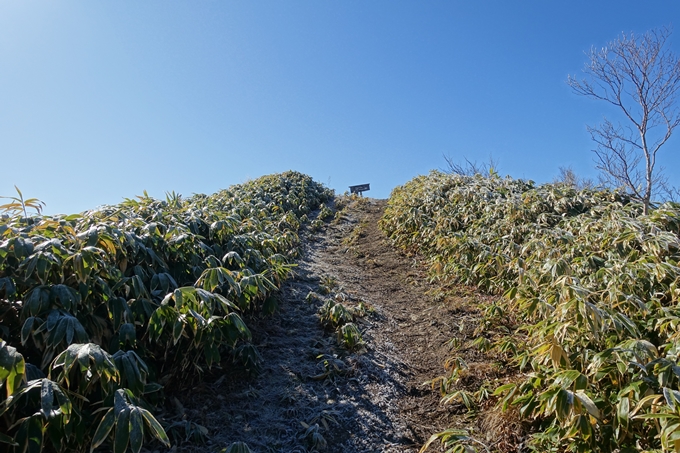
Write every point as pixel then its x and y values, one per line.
pixel 649 168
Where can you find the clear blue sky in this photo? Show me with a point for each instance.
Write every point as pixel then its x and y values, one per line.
pixel 102 100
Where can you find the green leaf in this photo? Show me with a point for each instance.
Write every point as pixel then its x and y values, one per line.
pixel 240 325
pixel 661 416
pixel 227 305
pixel 672 397
pixel 446 436
pixel 27 328
pixel 177 330
pixel 238 447
pixel 46 399
pixel 128 364
pixel 30 434
pixel 270 305
pixel 57 334
pixel 136 430
pixel 156 428
pixel 67 297
pixel 566 378
pixel 563 403
pixel 587 403
pixel 623 411
pixel 201 320
pixel 127 333
pixel 5 439
pixel 117 309
pixel 103 429
pixel 122 436
pixel 12 367
pixel 511 293
pixel 92 361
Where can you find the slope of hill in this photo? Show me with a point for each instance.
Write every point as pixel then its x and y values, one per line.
pixel 315 394
pixel 590 309
pixel 465 313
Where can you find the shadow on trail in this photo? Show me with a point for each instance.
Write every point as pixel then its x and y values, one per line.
pixel 311 394
pixel 289 406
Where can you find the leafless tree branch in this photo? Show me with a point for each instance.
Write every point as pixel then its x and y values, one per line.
pixel 470 168
pixel 637 74
pixel 569 177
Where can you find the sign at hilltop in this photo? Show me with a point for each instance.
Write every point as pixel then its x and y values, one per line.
pixel 359 188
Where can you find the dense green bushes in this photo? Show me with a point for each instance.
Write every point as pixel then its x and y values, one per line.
pixel 98 311
pixel 593 284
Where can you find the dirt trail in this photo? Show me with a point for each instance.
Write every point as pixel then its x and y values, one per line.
pixel 312 395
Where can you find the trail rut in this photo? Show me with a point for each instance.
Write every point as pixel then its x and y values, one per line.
pixel 311 394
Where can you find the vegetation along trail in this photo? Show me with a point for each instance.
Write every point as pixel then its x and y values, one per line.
pixel 316 392
pixel 275 317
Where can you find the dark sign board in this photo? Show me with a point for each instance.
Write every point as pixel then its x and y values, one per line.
pixel 360 188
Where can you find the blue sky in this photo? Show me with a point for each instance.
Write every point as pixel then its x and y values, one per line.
pixel 100 101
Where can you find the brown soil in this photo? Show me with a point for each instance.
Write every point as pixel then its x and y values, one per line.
pixel 313 395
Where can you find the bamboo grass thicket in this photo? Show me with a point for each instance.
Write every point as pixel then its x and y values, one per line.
pixel 594 286
pixel 99 311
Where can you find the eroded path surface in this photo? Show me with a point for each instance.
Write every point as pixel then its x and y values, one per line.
pixel 311 394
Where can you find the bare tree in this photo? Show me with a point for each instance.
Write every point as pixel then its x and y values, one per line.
pixel 569 177
pixel 639 76
pixel 470 168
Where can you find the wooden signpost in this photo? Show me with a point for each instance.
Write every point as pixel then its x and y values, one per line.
pixel 360 189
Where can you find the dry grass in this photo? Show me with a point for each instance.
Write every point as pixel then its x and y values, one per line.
pixel 503 430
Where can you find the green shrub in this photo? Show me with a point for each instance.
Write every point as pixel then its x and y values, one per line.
pixel 96 309
pixel 594 285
